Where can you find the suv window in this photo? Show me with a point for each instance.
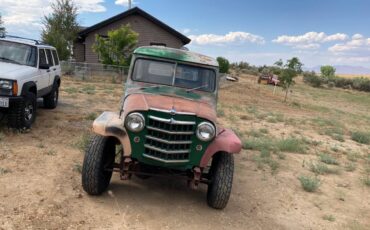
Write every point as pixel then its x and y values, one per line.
pixel 18 53
pixel 42 57
pixel 50 58
pixel 56 59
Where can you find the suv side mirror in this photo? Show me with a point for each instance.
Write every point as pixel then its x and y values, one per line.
pixel 44 66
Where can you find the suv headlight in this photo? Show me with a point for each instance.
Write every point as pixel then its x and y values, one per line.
pixel 135 122
pixel 206 131
pixel 6 84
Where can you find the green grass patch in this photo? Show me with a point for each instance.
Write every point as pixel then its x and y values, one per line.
pixel 71 90
pixel 291 144
pixel 361 137
pixel 328 159
pixel 309 183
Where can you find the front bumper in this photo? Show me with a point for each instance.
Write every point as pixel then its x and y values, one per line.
pixel 14 101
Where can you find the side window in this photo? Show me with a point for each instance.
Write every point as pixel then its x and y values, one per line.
pixel 50 58
pixel 56 59
pixel 42 57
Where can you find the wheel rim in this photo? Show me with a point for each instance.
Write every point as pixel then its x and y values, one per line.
pixel 28 112
pixel 56 95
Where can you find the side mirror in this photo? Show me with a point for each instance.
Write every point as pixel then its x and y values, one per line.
pixel 44 66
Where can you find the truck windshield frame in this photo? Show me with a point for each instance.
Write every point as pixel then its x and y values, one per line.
pixel 181 75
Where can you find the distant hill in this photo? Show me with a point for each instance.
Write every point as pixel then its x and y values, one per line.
pixel 344 69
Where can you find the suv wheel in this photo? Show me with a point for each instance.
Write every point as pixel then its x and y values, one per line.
pixel 98 165
pixel 23 114
pixel 51 100
pixel 221 176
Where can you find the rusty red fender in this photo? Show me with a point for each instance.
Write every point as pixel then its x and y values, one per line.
pixel 226 141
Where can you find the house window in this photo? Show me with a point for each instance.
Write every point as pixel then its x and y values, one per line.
pixel 157 44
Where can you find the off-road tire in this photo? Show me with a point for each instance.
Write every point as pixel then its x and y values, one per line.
pixel 51 100
pixel 221 176
pixel 18 117
pixel 98 165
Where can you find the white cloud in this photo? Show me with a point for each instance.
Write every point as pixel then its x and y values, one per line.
pixel 231 37
pixel 25 17
pixel 358 44
pixel 309 40
pixel 124 2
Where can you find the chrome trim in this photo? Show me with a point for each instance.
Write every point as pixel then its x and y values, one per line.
pixel 169 132
pixel 168 142
pixel 172 121
pixel 170 112
pixel 165 161
pixel 166 151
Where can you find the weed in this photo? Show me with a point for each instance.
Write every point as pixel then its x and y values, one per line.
pixel 309 184
pixel 258 144
pixel 88 89
pixel 350 166
pixel 71 90
pixel 353 156
pixel 83 142
pixel 264 130
pixel 91 116
pixel 220 112
pixel 4 171
pixel 291 144
pixel 41 145
pixel 328 159
pixel 51 152
pixel 77 167
pixel 321 169
pixel 361 137
pixel 255 133
pixel 330 218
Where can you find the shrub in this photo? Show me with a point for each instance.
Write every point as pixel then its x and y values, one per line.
pixel 327 159
pixel 290 145
pixel 361 137
pixel 327 71
pixel 313 79
pixel 224 64
pixel 309 184
pixel 321 169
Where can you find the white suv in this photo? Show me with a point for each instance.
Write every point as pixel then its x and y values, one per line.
pixel 28 70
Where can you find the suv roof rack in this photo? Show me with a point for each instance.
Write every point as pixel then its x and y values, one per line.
pixel 37 42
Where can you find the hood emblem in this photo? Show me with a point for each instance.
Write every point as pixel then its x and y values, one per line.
pixel 173 111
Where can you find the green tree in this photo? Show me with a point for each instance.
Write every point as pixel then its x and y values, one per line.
pixel 61 27
pixel 224 64
pixel 2 28
pixel 291 69
pixel 327 71
pixel 117 47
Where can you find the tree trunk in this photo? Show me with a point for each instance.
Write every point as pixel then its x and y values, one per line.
pixel 286 94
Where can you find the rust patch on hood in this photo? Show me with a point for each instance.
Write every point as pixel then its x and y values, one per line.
pixel 144 102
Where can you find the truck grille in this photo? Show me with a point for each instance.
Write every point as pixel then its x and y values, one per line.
pixel 168 140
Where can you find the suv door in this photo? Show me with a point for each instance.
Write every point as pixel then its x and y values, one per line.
pixel 56 68
pixel 44 74
pixel 52 67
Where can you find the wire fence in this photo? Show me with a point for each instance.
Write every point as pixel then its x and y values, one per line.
pixel 94 72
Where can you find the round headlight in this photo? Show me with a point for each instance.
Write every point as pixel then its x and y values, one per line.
pixel 135 122
pixel 206 131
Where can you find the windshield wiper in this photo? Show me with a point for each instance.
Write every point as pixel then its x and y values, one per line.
pixel 9 60
pixel 199 87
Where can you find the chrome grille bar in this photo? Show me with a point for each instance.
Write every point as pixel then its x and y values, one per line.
pixel 170 132
pixel 166 151
pixel 172 121
pixel 166 141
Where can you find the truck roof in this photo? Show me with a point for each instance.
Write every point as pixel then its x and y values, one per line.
pixel 176 54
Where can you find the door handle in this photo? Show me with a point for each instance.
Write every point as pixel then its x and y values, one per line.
pixel 55 69
pixel 48 70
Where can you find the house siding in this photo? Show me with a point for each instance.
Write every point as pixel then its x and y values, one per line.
pixel 79 52
pixel 148 32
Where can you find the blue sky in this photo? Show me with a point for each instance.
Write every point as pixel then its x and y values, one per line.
pixel 260 32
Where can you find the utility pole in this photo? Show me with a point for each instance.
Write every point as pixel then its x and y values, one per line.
pixel 129 4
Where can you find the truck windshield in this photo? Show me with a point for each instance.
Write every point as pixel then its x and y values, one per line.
pixel 17 53
pixel 178 75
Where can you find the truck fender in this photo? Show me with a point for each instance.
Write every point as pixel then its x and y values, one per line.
pixel 29 87
pixel 109 124
pixel 57 80
pixel 225 141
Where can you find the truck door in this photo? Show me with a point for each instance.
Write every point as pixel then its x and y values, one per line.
pixel 42 81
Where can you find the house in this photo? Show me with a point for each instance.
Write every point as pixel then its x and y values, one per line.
pixel 151 32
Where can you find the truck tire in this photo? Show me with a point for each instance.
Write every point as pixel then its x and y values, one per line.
pixel 221 176
pixel 51 100
pixel 23 114
pixel 98 165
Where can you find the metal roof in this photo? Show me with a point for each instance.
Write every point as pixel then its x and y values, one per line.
pixel 176 54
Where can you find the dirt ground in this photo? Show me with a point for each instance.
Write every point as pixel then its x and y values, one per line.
pixel 40 180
